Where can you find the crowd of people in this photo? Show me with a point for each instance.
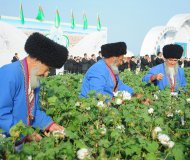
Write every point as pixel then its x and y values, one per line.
pixel 79 64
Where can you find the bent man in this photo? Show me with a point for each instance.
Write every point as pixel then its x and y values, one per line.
pixel 20 86
pixel 103 76
pixel 168 73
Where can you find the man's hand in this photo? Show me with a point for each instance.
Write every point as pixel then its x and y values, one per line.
pixel 156 77
pixel 159 76
pixel 33 137
pixel 56 127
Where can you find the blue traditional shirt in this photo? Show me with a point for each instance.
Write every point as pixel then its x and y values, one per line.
pixel 13 103
pixel 100 79
pixel 180 77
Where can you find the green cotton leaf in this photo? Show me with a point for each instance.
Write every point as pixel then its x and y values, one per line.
pixel 136 149
pixel 115 134
pixel 159 121
pixel 152 147
pixel 151 156
pixel 80 144
pixel 104 143
pixel 70 134
pixel 178 152
pixel 52 100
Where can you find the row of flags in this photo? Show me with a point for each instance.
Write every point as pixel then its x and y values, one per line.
pixel 41 17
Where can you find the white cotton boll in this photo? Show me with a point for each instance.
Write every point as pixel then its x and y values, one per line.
pixel 174 94
pixel 126 95
pixel 171 144
pixel 150 110
pixel 170 114
pixel 82 153
pixel 103 131
pixel 2 136
pixel 188 100
pixel 29 158
pixel 182 121
pixel 118 101
pixel 178 111
pixel 59 134
pixel 155 96
pixel 157 129
pixel 115 94
pixel 88 108
pixel 163 138
pixel 121 128
pixel 77 104
pixel 100 104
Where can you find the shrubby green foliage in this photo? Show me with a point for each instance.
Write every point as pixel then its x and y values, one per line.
pixel 108 130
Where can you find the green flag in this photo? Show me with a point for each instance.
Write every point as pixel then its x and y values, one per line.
pixel 57 19
pixel 85 22
pixel 40 15
pixel 21 14
pixel 72 20
pixel 98 24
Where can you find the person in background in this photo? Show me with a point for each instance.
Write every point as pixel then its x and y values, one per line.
pixel 103 76
pixel 85 64
pixel 92 60
pixel 15 58
pixel 133 64
pixel 168 73
pixel 159 58
pixel 145 62
pixel 99 56
pixel 124 65
pixel 20 86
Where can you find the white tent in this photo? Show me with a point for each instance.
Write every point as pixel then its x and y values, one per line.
pixel 12 41
pixel 90 44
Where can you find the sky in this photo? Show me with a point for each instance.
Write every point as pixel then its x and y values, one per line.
pixel 126 20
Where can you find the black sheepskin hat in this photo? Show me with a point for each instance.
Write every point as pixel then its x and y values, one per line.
pixel 172 51
pixel 46 50
pixel 113 49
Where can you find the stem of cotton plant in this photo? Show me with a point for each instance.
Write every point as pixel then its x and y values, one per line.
pixel 166 155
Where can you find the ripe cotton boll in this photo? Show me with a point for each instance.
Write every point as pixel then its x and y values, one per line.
pixel 82 153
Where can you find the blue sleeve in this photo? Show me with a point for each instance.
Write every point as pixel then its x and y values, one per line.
pixel 41 120
pixel 152 72
pixel 124 87
pixel 7 93
pixel 183 80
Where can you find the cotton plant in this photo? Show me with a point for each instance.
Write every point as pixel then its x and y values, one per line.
pixel 29 158
pixel 155 132
pixel 121 128
pixel 169 114
pixel 188 100
pixel 101 104
pixel 164 139
pixel 103 130
pixel 121 96
pixel 82 153
pixel 150 110
pixel 174 94
pixel 59 134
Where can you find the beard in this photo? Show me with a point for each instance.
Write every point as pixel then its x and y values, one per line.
pixel 171 71
pixel 34 79
pixel 114 68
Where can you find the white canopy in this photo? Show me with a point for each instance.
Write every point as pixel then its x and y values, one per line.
pixel 12 41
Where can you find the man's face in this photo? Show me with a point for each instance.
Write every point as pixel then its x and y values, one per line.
pixel 43 70
pixel 171 62
pixel 118 60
